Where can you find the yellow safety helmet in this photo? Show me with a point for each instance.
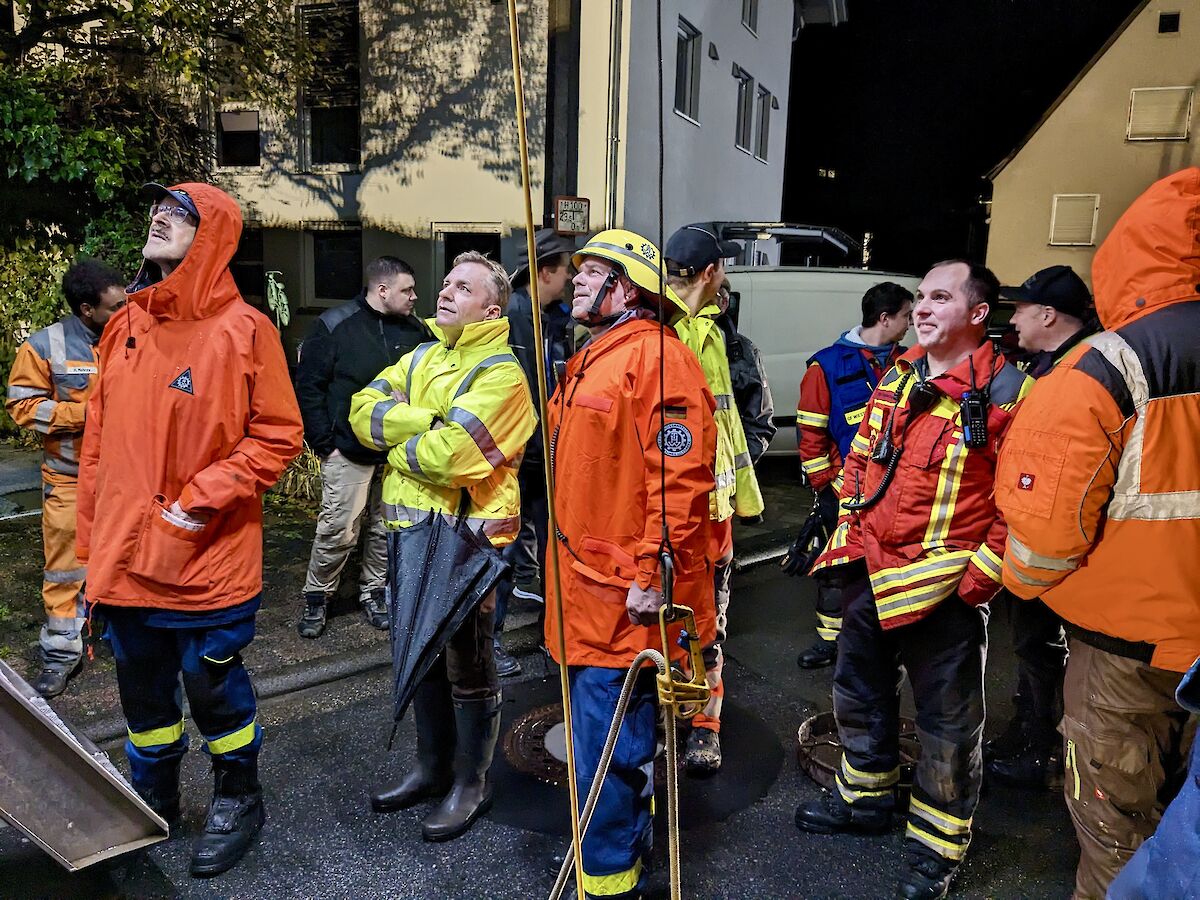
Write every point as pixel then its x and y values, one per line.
pixel 633 254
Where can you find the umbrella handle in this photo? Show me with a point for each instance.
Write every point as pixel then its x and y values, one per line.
pixel 464 507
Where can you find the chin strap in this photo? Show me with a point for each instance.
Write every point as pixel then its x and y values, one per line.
pixel 593 316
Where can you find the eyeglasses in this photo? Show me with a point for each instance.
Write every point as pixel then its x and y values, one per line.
pixel 176 214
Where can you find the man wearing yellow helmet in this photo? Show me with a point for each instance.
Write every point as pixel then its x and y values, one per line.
pixel 633 470
pixel 695 271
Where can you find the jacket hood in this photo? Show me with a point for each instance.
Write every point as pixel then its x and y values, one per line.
pixel 1151 258
pixel 202 285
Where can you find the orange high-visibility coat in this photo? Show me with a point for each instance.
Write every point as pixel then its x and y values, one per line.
pixel 605 439
pixel 199 409
pixel 1100 476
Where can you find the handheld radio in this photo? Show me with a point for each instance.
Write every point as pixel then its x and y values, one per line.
pixel 973 412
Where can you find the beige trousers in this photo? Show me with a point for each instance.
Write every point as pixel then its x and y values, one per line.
pixel 351 493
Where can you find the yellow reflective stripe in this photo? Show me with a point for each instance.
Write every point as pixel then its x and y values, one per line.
pixel 850 795
pixel 814 420
pixel 943 847
pixel 943 820
pixel 989 563
pixel 858 777
pixel 837 483
pixel 812 466
pixel 876 420
pixel 949 481
pixel 156 737
pixel 610 885
pixel 1070 764
pixel 830 621
pixel 233 741
pixel 218 662
pixel 916 601
pixel 939 562
pixel 860 443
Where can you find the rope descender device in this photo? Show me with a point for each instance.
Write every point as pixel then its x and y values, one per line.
pixel 683 696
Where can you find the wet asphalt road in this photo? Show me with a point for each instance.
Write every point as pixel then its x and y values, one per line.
pixel 325 748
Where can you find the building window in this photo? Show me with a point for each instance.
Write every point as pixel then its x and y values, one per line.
pixel 750 15
pixel 1168 23
pixel 249 273
pixel 238 138
pixel 1159 114
pixel 331 96
pixel 745 108
pixel 687 71
pixel 1073 220
pixel 337 264
pixel 762 133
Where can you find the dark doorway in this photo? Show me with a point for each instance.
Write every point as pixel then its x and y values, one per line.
pixel 456 242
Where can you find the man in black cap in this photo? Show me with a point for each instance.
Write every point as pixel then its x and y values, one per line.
pixel 525 554
pixel 1052 312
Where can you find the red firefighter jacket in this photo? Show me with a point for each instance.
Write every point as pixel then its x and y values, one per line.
pixel 198 408
pixel 936 530
pixel 606 447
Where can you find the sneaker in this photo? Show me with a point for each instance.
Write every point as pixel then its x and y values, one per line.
pixel 506 664
pixel 53 679
pixel 703 753
pixel 375 609
pixel 312 623
pixel 529 590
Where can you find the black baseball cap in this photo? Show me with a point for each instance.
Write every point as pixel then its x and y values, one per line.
pixel 157 191
pixel 693 248
pixel 1058 287
pixel 546 243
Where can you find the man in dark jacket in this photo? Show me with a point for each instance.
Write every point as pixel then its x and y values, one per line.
pixel 751 393
pixel 526 553
pixel 347 347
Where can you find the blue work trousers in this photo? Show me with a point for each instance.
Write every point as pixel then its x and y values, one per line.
pixel 620 832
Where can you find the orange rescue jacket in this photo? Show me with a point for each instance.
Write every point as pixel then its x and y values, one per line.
pixel 1100 477
pixel 605 437
pixel 196 407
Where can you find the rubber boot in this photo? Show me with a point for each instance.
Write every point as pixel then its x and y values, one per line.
pixel 431 777
pixel 478 723
pixel 235 818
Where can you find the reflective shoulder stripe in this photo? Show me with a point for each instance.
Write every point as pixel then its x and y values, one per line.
pixel 1006 386
pixel 1124 359
pixel 382 385
pixel 417 356
pixel 465 385
pixel 58 348
pixel 479 433
pixel 80 342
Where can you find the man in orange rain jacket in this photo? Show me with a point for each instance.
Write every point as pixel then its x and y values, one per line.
pixel 48 389
pixel 1100 484
pixel 611 435
pixel 916 555
pixel 193 420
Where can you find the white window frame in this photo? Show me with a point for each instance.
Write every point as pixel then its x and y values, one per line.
pixel 1187 124
pixel 694 46
pixel 1091 241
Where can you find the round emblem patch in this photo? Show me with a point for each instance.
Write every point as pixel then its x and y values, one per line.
pixel 648 251
pixel 674 439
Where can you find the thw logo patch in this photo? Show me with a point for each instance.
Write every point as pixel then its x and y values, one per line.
pixel 183 382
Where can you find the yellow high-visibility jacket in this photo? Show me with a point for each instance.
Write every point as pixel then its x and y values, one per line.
pixel 737 485
pixel 465 423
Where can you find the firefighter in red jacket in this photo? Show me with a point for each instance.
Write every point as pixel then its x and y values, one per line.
pixel 916 552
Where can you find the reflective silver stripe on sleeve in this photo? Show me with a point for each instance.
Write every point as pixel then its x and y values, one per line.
pixel 64 576
pixel 381 409
pixel 479 434
pixel 417 356
pixel 410 451
pixel 1026 557
pixel 465 385
pixel 42 416
pixel 21 392
pixel 61 466
pixel 58 348
pixel 382 385
pixel 742 461
pixel 724 401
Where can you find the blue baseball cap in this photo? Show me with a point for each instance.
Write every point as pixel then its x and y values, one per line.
pixel 693 248
pixel 157 191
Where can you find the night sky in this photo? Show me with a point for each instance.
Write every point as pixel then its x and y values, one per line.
pixel 913 101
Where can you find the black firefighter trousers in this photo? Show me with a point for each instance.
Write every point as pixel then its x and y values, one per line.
pixel 944 656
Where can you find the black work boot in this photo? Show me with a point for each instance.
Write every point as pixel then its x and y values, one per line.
pixel 375 609
pixel 235 818
pixel 163 795
pixel 312 623
pixel 1038 764
pixel 478 724
pixel 431 777
pixel 1010 741
pixel 926 877
pixel 818 656
pixel 832 815
pixel 53 678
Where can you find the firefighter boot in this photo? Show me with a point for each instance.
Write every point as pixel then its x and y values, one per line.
pixel 375 609
pixel 162 795
pixel 818 656
pixel 234 819
pixel 926 877
pixel 478 724
pixel 832 815
pixel 1038 763
pixel 312 623
pixel 431 777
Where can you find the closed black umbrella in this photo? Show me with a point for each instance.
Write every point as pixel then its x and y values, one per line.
pixel 439 571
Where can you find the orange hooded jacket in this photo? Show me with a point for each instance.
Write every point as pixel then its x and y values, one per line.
pixel 194 404
pixel 604 422
pixel 1100 476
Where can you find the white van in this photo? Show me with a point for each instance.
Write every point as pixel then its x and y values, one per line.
pixel 791 312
